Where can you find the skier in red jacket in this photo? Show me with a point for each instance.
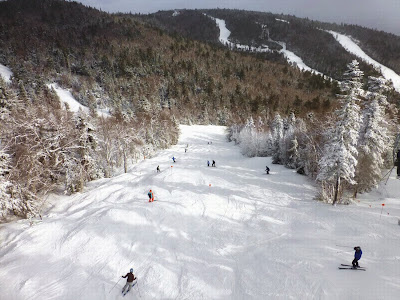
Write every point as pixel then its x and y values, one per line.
pixel 151 196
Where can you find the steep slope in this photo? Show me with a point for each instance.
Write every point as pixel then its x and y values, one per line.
pixel 351 46
pixel 229 232
pixel 381 46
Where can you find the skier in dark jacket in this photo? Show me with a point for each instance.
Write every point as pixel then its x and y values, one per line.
pixel 158 169
pixel 267 169
pixel 213 164
pixel 357 256
pixel 129 281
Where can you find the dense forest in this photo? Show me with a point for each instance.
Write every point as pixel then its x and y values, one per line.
pixel 304 37
pixel 149 77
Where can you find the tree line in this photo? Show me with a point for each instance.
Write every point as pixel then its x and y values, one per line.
pixel 347 152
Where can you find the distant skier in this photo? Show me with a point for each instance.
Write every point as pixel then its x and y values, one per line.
pixel 357 256
pixel 173 158
pixel 213 164
pixel 208 163
pixel 158 169
pixel 129 281
pixel 267 169
pixel 185 150
pixel 151 196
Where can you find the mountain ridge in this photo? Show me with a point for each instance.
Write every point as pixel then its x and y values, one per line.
pixel 302 36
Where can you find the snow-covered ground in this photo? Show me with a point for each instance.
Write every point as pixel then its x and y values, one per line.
pixel 224 34
pixel 229 232
pixel 5 73
pixel 292 58
pixel 281 20
pixel 296 60
pixel 67 98
pixel 348 43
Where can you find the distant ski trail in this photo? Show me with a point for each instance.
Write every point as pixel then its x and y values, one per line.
pixel 353 48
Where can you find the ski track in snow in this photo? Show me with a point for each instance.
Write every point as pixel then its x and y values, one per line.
pixel 348 43
pixel 229 232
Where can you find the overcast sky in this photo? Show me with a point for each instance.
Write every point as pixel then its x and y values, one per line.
pixel 377 14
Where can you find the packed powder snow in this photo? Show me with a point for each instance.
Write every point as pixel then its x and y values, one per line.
pixel 5 73
pixel 224 232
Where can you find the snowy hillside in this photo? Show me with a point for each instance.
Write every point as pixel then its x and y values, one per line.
pixel 230 232
pixel 348 43
pixel 289 55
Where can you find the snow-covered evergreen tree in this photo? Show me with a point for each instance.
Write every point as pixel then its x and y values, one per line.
pixel 277 135
pixel 288 144
pixel 309 138
pixel 293 153
pixel 5 184
pixel 247 138
pixel 144 105
pixel 234 132
pixel 340 153
pixel 374 140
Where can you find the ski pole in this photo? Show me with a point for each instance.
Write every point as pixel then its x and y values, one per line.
pixel 390 172
pixel 114 285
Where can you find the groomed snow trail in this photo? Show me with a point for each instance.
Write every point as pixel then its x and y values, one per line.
pixel 229 232
pixel 348 43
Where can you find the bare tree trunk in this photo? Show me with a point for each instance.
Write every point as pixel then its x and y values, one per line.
pixel 125 166
pixel 336 190
pixel 355 192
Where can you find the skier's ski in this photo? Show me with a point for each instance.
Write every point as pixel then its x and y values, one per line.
pixel 123 294
pixel 355 269
pixel 352 266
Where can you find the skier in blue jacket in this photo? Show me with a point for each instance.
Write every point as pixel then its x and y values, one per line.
pixel 357 256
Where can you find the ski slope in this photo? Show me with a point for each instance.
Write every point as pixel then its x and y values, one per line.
pixel 229 232
pixel 350 46
pixel 292 58
pixel 69 101
pixel 5 73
